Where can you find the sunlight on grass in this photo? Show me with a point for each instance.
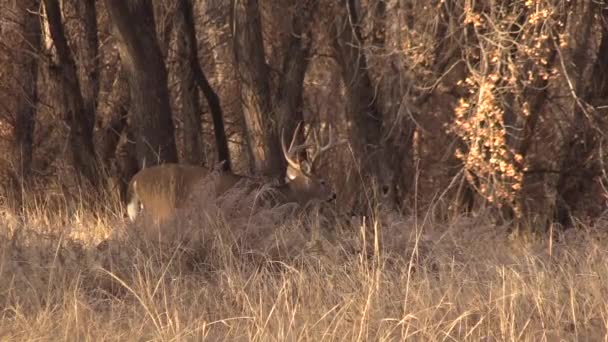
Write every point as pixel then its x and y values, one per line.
pixel 313 277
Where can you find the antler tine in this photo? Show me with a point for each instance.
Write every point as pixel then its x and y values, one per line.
pixel 295 136
pixel 319 148
pixel 288 152
pixel 294 150
pixel 330 142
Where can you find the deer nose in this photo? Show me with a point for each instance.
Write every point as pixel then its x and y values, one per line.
pixel 332 197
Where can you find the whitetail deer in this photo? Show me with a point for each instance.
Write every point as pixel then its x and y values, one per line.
pixel 160 190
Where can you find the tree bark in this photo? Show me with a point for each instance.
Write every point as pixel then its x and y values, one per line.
pixel 599 82
pixel 367 119
pixel 581 164
pixel 28 74
pixel 213 100
pixel 90 53
pixel 79 119
pixel 114 119
pixel 190 105
pixel 295 63
pixel 117 139
pixel 142 60
pixel 255 87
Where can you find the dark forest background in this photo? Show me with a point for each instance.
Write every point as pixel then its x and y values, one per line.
pixel 451 106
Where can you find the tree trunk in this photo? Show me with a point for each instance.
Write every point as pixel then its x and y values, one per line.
pixel 78 118
pixel 28 74
pixel 185 7
pixel 366 132
pixel 114 119
pixel 581 164
pixel 142 60
pixel 90 53
pixel 117 149
pixel 221 141
pixel 295 64
pixel 190 106
pixel 255 87
pixel 599 82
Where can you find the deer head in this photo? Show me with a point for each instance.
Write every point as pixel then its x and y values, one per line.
pixel 302 185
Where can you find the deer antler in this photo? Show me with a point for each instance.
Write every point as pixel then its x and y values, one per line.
pixel 287 152
pixel 319 148
pixel 322 148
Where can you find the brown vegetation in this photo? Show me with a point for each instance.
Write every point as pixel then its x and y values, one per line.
pixel 471 184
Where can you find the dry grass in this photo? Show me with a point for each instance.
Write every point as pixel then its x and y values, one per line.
pixel 271 277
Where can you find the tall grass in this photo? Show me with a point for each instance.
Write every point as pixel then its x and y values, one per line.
pixel 282 275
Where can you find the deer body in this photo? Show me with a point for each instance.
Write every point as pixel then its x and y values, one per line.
pixel 160 190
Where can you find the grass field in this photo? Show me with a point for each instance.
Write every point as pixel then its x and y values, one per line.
pixel 272 275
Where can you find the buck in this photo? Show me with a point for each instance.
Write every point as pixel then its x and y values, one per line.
pixel 159 190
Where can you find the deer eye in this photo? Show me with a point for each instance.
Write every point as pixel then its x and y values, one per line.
pixel 322 182
pixel 385 189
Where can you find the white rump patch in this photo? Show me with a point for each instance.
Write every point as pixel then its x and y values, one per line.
pixel 133 210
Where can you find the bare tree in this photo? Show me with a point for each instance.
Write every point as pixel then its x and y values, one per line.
pixel 78 117
pixel 255 87
pixel 190 115
pixel 90 55
pixel 397 144
pixel 581 165
pixel 115 137
pixel 599 85
pixel 366 133
pixel 26 12
pixel 193 68
pixel 143 62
